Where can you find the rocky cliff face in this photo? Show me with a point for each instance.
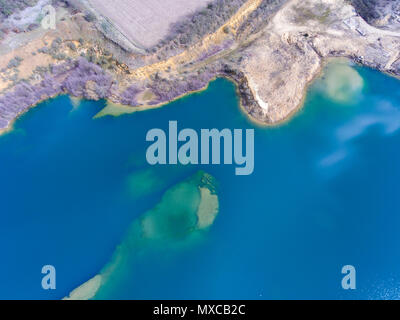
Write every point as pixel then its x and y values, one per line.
pixel 380 13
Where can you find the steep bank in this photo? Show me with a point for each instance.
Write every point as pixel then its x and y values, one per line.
pixel 271 49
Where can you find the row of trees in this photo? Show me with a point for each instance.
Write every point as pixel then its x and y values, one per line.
pixel 8 7
pixel 194 27
pixel 70 77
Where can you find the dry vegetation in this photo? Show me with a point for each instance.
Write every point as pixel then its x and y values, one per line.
pixel 381 13
pixel 270 48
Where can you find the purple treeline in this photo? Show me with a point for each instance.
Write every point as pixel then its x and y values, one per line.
pixel 69 77
pixel 128 97
pixel 169 90
pixel 83 72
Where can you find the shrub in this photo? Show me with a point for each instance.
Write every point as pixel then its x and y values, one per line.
pixel 167 90
pixel 261 16
pixel 89 17
pixel 72 46
pixel 14 63
pixel 194 27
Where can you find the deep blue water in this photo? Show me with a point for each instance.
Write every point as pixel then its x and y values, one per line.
pixel 324 194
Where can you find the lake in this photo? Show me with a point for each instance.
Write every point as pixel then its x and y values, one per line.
pixel 324 194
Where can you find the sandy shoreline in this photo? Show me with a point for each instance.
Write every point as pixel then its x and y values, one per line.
pixel 87 290
pixel 126 109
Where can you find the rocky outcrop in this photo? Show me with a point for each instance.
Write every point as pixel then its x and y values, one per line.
pixel 280 64
pixel 380 13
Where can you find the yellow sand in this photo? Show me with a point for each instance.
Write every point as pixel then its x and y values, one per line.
pixel 87 290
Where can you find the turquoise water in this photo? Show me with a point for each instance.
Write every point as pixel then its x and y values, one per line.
pixel 324 194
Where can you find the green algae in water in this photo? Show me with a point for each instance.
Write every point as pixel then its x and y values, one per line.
pixel 144 182
pixel 185 212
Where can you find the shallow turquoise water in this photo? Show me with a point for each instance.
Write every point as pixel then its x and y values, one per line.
pixel 324 194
